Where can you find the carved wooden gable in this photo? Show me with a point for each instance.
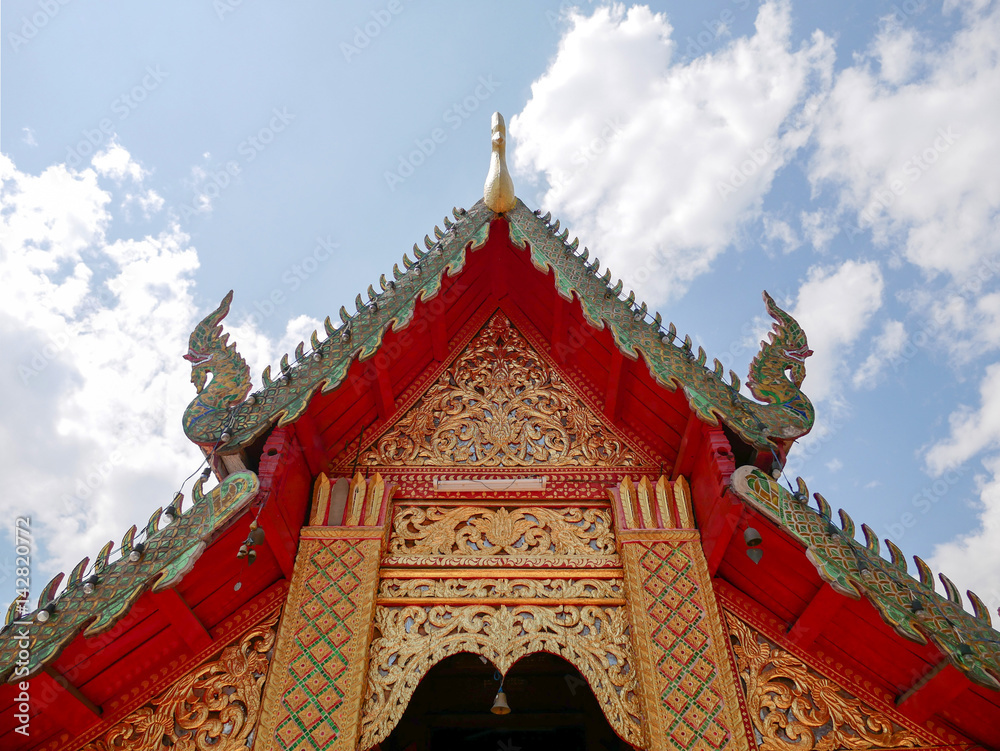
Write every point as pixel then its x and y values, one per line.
pixel 499 404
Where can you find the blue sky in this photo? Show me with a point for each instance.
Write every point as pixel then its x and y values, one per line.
pixel 842 156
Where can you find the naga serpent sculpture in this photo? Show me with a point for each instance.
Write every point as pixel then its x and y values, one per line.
pixel 221 416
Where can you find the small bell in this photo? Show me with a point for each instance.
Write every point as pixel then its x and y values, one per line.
pixel 755 554
pixel 243 551
pixel 251 556
pixel 500 703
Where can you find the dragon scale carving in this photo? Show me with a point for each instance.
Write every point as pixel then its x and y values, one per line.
pixel 775 376
pixel 778 370
pixel 210 352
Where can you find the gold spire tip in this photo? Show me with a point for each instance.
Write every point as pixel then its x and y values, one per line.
pixel 498 192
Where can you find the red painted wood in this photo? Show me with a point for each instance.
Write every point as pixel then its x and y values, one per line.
pixel 816 616
pixel 614 385
pixel 382 390
pixel 715 537
pixel 191 630
pixel 933 693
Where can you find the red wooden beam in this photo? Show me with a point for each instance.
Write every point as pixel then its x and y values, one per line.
pixel 816 615
pixel 558 337
pixel 191 630
pixel 614 384
pixel 439 337
pixel 715 538
pixel 382 392
pixel 685 452
pixel 74 711
pixel 932 692
pixel 498 273
pixel 311 442
pixel 278 537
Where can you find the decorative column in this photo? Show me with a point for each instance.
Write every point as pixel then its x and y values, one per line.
pixel 687 684
pixel 313 695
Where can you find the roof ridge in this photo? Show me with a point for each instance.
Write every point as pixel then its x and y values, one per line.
pixel 95 604
pixel 914 608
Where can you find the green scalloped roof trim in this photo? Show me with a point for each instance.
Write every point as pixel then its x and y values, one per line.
pixel 218 417
pixel 168 554
pixel 910 606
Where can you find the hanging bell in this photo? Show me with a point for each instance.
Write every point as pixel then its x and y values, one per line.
pixel 251 556
pixel 500 703
pixel 755 554
pixel 243 551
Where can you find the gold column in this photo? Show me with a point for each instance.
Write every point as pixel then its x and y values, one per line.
pixel 314 692
pixel 688 688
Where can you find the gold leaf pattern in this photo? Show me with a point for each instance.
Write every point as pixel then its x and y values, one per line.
pixel 214 706
pixel 795 708
pixel 411 640
pixel 476 532
pixel 598 589
pixel 500 405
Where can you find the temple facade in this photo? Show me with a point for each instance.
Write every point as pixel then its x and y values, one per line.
pixel 500 505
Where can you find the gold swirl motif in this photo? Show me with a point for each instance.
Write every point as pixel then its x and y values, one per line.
pixel 500 405
pixel 411 640
pixel 214 706
pixel 794 708
pixel 477 532
pixel 597 589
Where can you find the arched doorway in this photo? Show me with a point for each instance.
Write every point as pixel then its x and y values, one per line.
pixel 552 707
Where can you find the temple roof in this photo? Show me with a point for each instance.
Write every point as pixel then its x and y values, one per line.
pixel 221 417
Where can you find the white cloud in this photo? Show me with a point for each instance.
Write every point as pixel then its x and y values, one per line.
pixel 834 465
pixel 834 307
pixel 908 143
pixel 115 162
pixel 819 227
pixel 29 136
pixel 93 331
pixel 972 560
pixel 886 348
pixel 971 431
pixel 659 163
pixel 780 231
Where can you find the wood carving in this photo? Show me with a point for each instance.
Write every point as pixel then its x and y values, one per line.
pixel 794 708
pixel 530 532
pixel 214 706
pixel 549 589
pixel 500 405
pixel 411 640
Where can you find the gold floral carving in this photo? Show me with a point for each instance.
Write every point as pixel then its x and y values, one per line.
pixel 410 640
pixel 214 706
pixel 598 589
pixel 500 405
pixel 475 532
pixel 794 707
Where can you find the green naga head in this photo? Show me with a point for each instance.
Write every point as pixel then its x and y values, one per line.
pixel 208 353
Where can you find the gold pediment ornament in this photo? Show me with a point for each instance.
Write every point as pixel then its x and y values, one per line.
pixel 499 404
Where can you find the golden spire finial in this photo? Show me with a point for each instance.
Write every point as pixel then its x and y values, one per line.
pixel 498 192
